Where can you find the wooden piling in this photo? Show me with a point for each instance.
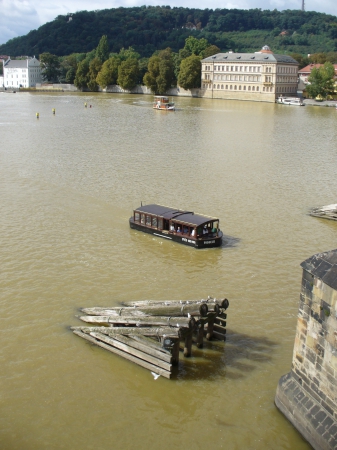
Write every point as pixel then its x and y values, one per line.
pixel 175 353
pixel 200 335
pixel 188 345
pixel 210 329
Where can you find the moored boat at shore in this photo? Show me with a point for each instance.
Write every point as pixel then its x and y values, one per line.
pixel 295 101
pixel 161 102
pixel 185 227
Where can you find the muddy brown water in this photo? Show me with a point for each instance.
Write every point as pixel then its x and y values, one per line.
pixel 68 184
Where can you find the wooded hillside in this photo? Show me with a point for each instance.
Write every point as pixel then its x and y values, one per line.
pixel 149 28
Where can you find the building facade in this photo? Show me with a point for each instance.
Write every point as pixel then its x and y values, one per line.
pixel 262 76
pixel 21 73
pixel 303 75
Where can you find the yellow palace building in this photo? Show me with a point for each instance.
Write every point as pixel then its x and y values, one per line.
pixel 261 76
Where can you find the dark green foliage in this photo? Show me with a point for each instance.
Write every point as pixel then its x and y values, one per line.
pixel 94 68
pixel 209 51
pixel 190 72
pixel 102 50
pixel 150 28
pixel 128 74
pixel 160 76
pixel 82 75
pixel 321 81
pixel 108 73
pixel 50 65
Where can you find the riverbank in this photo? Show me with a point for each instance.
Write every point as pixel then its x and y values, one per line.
pixel 115 89
pixel 326 103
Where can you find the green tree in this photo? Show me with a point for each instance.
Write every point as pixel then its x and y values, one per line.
pixel 160 75
pixel 317 58
pixel 128 53
pixel 94 68
pixel 70 75
pixel 195 46
pixel 128 73
pixel 321 81
pixel 82 75
pixel 108 73
pixel 190 72
pixel 102 50
pixel 209 51
pixel 50 65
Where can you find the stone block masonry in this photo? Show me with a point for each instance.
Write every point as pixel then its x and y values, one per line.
pixel 307 395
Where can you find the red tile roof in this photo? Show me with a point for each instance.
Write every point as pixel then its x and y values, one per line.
pixel 308 69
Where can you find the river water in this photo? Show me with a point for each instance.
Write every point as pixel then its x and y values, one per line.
pixel 68 184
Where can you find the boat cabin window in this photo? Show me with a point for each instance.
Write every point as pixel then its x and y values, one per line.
pixel 137 215
pixel 148 221
pixel 154 222
pixel 160 224
pixel 142 219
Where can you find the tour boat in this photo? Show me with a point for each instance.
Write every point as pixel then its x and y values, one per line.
pixel 185 227
pixel 163 103
pixel 290 101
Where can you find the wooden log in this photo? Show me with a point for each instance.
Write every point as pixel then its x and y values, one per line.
pixel 159 310
pixel 188 345
pixel 179 322
pixel 206 319
pixel 120 311
pixel 144 348
pixel 209 301
pixel 175 353
pixel 213 307
pixel 131 358
pixel 219 328
pixel 132 351
pixel 200 336
pixel 150 342
pixel 210 328
pixel 222 317
pixel 127 331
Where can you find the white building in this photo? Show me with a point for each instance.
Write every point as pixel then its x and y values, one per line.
pixel 21 73
pixel 260 76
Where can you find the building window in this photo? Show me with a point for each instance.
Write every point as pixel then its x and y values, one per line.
pixel 257 88
pixel 244 88
pixel 222 86
pixel 248 88
pixel 240 88
pixel 235 87
pixel 226 86
pixel 231 87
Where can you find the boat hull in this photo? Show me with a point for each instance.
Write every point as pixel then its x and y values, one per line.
pixel 207 242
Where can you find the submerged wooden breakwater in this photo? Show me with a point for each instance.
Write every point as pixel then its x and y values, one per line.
pixel 149 333
pixel 325 212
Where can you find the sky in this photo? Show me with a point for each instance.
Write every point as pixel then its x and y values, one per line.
pixel 18 17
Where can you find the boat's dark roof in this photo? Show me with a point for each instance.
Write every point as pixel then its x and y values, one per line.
pixel 187 217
